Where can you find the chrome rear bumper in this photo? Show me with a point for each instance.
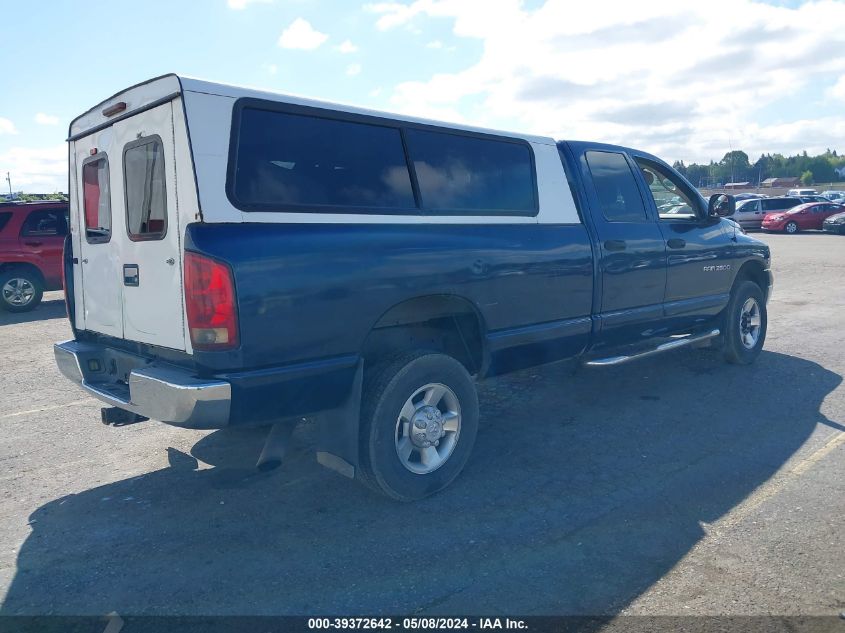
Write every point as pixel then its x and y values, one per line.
pixel 154 390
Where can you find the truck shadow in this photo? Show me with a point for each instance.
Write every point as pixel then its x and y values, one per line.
pixel 584 489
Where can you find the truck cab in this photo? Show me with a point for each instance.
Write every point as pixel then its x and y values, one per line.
pixel 240 257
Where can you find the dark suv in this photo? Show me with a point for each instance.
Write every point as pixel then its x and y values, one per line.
pixel 749 214
pixel 32 235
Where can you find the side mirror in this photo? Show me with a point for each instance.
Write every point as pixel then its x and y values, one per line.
pixel 721 204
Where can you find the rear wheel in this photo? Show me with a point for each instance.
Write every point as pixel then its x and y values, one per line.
pixel 791 227
pixel 20 290
pixel 745 322
pixel 418 425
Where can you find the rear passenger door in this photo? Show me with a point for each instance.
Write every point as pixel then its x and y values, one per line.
pixel 632 252
pixel 42 238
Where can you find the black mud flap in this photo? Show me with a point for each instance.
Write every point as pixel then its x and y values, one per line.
pixel 337 430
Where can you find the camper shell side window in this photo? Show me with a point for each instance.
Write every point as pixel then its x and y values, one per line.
pixel 291 158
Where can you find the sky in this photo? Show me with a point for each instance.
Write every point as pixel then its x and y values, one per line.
pixel 684 80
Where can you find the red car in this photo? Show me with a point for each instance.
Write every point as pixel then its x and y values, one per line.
pixel 32 236
pixel 800 218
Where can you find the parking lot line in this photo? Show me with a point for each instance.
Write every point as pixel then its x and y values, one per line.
pixel 50 408
pixel 775 485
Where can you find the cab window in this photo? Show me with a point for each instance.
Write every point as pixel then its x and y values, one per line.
pixel 616 188
pixel 672 198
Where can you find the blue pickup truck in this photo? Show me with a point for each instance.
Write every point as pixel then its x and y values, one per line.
pixel 239 257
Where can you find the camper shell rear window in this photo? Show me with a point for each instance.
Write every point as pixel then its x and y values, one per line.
pixel 96 198
pixel 290 158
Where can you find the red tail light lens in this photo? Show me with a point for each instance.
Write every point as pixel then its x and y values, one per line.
pixel 210 303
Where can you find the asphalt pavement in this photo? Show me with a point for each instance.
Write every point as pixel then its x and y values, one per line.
pixel 678 485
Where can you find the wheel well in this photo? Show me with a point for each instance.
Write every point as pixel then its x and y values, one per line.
pixel 754 271
pixel 445 323
pixel 8 267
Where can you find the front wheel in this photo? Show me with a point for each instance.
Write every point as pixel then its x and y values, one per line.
pixel 20 291
pixel 745 322
pixel 418 425
pixel 791 228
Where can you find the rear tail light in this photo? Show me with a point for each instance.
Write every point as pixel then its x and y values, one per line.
pixel 210 303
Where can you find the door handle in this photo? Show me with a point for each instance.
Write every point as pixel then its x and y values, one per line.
pixel 33 243
pixel 615 245
pixel 676 242
pixel 131 275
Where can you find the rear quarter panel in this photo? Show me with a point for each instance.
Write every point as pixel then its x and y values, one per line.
pixel 309 291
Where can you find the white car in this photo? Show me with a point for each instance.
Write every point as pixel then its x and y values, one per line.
pixel 834 196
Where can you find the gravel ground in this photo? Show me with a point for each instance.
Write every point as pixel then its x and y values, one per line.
pixel 675 486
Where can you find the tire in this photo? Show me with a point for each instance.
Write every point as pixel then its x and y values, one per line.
pixel 20 290
pixel 392 391
pixel 791 228
pixel 742 341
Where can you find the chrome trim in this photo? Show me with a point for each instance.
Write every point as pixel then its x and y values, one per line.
pixel 665 347
pixel 161 392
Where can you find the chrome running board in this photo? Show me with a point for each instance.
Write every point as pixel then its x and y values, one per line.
pixel 665 347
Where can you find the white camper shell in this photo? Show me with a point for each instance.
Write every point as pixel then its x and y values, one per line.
pixel 154 158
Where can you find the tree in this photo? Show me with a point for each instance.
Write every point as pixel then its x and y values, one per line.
pixel 807 178
pixel 734 166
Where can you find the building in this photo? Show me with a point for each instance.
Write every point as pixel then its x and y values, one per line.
pixel 780 182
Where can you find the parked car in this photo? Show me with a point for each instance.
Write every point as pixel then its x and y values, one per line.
pixel 834 223
pixel 802 192
pixel 365 269
pixel 815 198
pixel 749 213
pixel 801 218
pixel 31 238
pixel 834 196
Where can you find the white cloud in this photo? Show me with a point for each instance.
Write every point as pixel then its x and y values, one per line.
pixel 7 127
pixel 375 92
pixel 672 78
pixel 837 91
pixel 347 47
pixel 240 5
pixel 353 69
pixel 434 44
pixel 271 69
pixel 36 170
pixel 46 119
pixel 301 35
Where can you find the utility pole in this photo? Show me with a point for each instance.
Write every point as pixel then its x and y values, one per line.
pixel 9 180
